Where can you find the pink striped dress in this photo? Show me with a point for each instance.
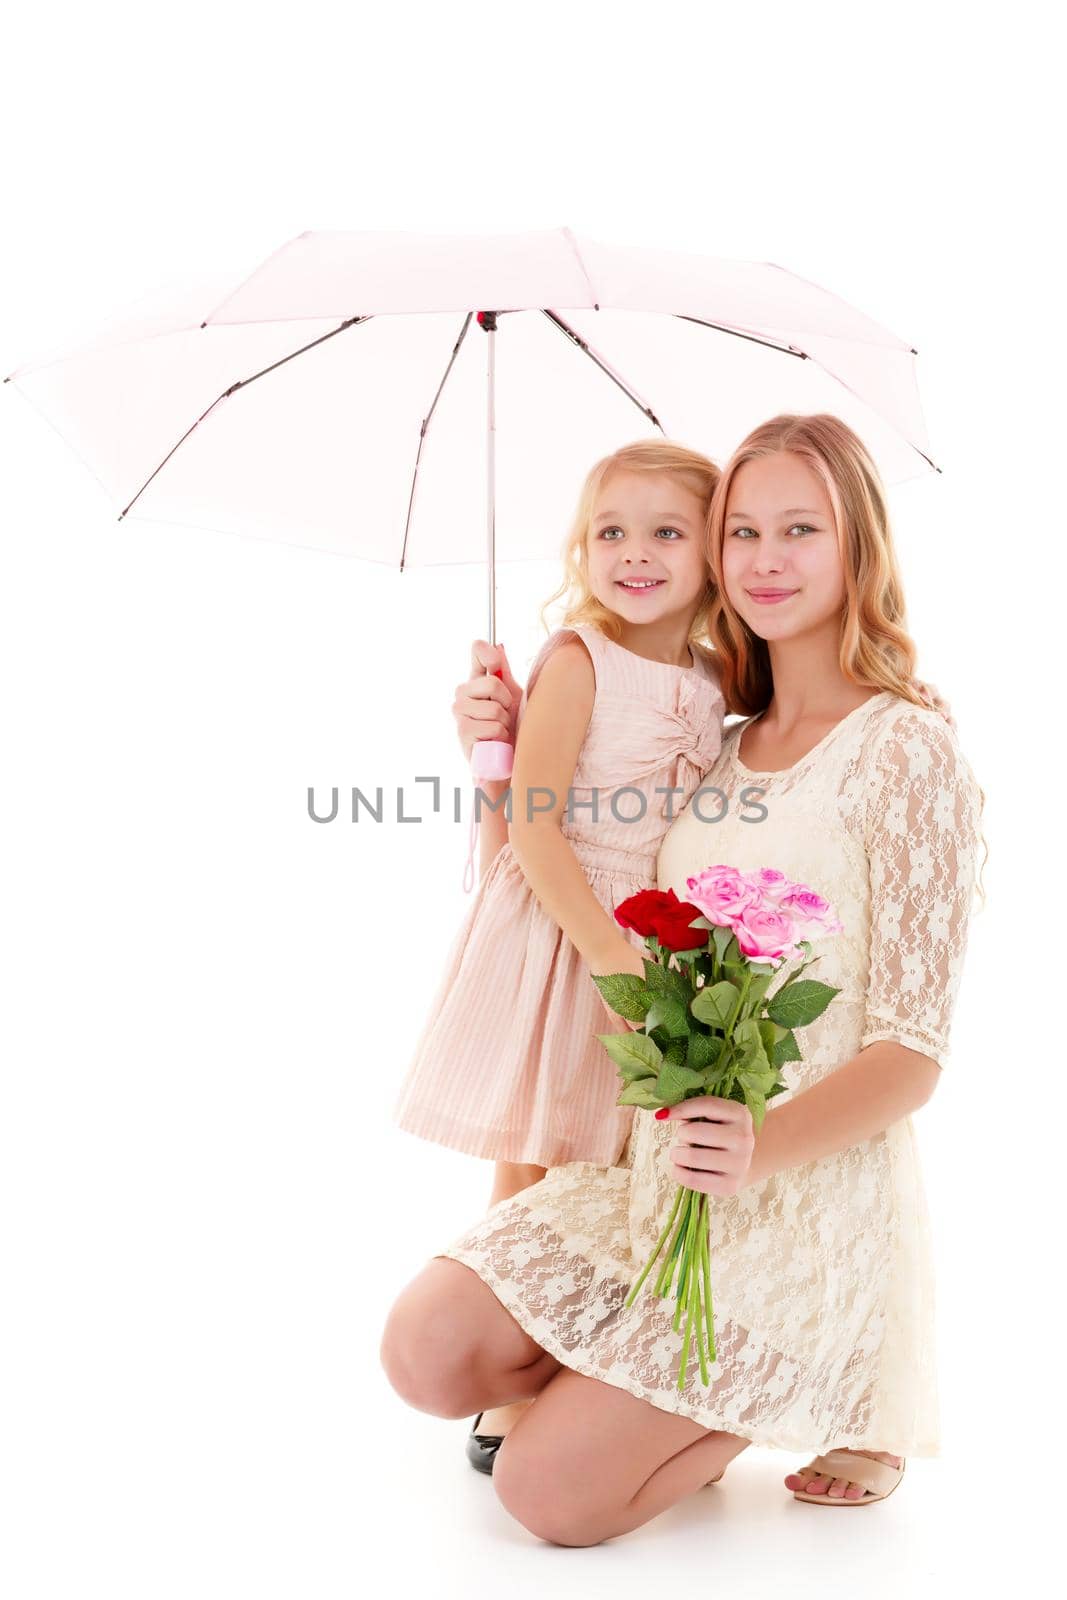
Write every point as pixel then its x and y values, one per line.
pixel 508 1065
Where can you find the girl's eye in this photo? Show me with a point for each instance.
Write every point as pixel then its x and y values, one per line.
pixel 604 532
pixel 804 527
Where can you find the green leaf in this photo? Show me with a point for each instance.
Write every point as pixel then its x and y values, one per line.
pixel 635 1054
pixel 675 1052
pixel 747 1035
pixel 675 1082
pixel 786 1049
pixel 759 1078
pixel 704 1050
pixel 665 981
pixel 722 939
pixel 641 1094
pixel 800 1003
pixel 757 988
pixel 625 994
pixel 715 1004
pixel 758 1107
pixel 770 1033
pixel 667 1012
pixel 754 1071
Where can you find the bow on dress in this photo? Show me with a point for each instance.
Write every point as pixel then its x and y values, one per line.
pixel 685 739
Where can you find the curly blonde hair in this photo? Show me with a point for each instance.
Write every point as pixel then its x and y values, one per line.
pixel 698 473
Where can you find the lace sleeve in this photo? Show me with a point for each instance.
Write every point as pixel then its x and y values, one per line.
pixel 922 831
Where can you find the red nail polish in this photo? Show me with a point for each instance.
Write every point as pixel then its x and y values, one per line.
pixel 664 1111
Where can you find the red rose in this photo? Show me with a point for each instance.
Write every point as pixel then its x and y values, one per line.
pixel 655 912
pixel 673 930
pixel 639 911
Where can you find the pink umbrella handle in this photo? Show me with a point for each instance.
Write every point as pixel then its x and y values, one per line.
pixel 492 758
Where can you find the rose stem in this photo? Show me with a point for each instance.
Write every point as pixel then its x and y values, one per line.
pixel 664 1282
pixel 684 1364
pixel 648 1265
pixel 705 1247
pixel 688 1254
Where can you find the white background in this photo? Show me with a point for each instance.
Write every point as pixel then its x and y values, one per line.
pixel 209 999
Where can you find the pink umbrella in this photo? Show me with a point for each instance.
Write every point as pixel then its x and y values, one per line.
pixel 337 397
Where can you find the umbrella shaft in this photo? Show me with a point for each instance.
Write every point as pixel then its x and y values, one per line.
pixel 491 481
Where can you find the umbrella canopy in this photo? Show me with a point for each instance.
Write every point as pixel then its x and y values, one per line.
pixel 336 397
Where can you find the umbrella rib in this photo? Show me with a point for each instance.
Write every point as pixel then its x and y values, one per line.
pixel 791 350
pixel 422 432
pixel 830 373
pixel 242 383
pixel 753 338
pixel 586 349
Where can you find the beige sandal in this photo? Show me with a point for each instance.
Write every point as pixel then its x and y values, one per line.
pixel 877 1477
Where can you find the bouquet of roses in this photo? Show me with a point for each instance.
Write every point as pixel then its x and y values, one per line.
pixel 708 1026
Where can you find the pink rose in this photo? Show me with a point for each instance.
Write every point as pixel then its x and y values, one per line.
pixel 812 915
pixel 722 895
pixel 766 935
pixel 770 883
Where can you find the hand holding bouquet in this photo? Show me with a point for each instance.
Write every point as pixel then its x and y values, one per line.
pixel 708 1026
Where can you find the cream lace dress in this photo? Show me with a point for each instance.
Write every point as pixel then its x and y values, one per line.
pixel 821 1275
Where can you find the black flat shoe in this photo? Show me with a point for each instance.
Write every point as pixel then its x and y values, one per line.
pixel 482 1447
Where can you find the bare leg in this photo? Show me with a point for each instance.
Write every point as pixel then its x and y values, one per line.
pixel 586 1461
pixel 589 1462
pixel 450 1347
pixel 509 1177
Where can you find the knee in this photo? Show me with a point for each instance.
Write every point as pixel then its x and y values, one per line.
pixel 427 1364
pixel 537 1495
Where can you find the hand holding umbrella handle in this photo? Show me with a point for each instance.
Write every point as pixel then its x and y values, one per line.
pixel 492 758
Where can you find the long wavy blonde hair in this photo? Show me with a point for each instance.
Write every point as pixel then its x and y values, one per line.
pixel 698 473
pixel 874 647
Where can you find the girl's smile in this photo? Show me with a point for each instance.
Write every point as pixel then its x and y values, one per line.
pixel 640 585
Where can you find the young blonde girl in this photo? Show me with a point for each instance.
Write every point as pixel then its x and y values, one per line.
pixel 623 696
pixel 820 1247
